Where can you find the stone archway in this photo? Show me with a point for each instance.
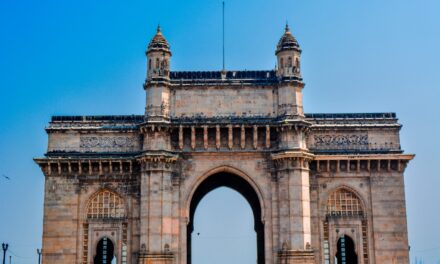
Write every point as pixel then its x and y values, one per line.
pixel 346 253
pixel 237 183
pixel 105 251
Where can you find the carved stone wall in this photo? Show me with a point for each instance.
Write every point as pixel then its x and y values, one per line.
pixel 94 142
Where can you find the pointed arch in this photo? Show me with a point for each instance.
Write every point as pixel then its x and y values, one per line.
pixel 346 250
pixel 105 251
pixel 105 204
pixel 229 170
pixel 226 176
pixel 344 201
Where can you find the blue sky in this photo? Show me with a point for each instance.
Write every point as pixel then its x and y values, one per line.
pixel 87 57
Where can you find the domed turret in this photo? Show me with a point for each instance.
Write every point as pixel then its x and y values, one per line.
pixel 289 55
pixel 158 43
pixel 287 42
pixel 158 56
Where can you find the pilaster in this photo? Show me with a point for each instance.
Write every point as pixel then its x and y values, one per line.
pixel 159 226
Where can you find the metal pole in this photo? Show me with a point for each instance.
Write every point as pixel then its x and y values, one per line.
pixel 39 255
pixel 5 248
pixel 10 257
pixel 223 39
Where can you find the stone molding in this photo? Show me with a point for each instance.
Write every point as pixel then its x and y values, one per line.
pixel 360 163
pixel 86 166
pixel 297 256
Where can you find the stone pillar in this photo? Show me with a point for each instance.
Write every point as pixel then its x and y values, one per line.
pixel 292 178
pixel 158 224
pixel 294 208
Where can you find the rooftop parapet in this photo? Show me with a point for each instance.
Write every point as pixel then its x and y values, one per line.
pixel 309 116
pixel 123 122
pixel 227 77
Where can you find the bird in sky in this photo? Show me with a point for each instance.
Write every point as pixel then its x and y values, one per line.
pixel 6 177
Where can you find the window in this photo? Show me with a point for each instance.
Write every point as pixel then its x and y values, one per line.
pixel 344 203
pixel 149 64
pixel 157 63
pixel 289 62
pixel 282 63
pixel 106 204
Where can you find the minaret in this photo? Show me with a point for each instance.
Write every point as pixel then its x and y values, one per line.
pixel 158 79
pixel 288 55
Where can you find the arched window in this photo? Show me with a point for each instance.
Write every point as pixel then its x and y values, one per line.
pixel 344 203
pixel 106 204
pixel 157 63
pixel 149 64
pixel 289 62
pixel 282 63
pixel 297 64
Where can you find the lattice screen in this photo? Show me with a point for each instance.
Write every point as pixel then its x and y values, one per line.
pixel 344 203
pixel 106 204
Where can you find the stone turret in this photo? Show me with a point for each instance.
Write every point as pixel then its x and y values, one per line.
pixel 158 57
pixel 290 88
pixel 288 55
pixel 158 79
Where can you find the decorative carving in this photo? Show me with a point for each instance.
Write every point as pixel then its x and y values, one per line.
pixel 107 142
pixel 341 140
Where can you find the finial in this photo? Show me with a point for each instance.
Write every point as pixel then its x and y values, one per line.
pixel 158 28
pixel 287 26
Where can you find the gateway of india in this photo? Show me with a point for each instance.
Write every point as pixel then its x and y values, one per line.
pixel 323 188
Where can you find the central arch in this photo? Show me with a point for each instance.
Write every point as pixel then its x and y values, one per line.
pixel 238 183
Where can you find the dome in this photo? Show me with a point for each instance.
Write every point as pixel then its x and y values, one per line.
pixel 287 42
pixel 158 43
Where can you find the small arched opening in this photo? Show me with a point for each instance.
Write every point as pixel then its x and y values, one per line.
pixel 346 253
pixel 105 205
pixel 105 252
pixel 235 183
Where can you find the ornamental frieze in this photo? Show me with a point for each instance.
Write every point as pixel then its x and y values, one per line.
pixel 328 140
pixel 107 142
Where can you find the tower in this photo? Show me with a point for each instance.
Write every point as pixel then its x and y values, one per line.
pixel 288 54
pixel 158 57
pixel 158 79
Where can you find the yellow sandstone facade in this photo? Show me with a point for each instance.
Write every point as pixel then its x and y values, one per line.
pixel 324 188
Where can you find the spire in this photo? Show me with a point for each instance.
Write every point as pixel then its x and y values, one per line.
pixel 287 41
pixel 158 42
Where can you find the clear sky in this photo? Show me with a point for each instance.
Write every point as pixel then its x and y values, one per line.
pixel 87 57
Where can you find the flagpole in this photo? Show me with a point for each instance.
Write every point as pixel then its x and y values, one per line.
pixel 223 38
